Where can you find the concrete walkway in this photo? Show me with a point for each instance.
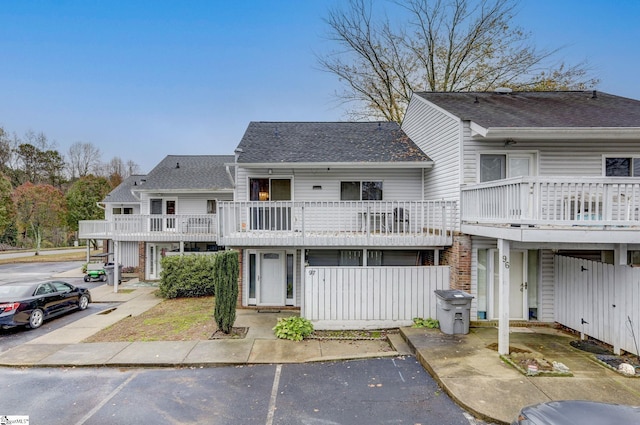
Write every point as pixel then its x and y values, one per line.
pixel 470 372
pixel 475 376
pixel 64 347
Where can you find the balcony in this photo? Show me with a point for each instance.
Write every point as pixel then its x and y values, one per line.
pixel 593 209
pixel 153 228
pixel 337 223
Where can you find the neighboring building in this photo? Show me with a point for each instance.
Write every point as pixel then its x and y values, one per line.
pixel 530 201
pixel 171 209
pixel 548 185
pixel 332 218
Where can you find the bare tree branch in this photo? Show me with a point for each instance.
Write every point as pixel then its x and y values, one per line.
pixel 443 45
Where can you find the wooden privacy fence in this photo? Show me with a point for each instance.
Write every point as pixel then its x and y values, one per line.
pixel 601 300
pixel 371 297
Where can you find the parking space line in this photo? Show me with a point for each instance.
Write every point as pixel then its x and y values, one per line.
pixel 106 400
pixel 274 395
pixel 399 373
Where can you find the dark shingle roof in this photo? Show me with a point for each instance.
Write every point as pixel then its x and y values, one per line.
pixel 540 109
pixel 190 172
pixel 122 193
pixel 326 142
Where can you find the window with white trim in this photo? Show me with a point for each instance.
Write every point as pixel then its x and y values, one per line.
pixel 622 167
pixel 361 191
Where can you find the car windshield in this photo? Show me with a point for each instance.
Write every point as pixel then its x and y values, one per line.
pixel 7 292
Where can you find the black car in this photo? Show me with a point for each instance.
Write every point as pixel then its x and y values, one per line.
pixel 31 303
pixel 569 412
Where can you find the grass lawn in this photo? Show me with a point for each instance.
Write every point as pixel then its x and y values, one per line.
pixel 180 319
pixel 74 256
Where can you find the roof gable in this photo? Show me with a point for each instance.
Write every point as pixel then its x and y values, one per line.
pixel 571 109
pixel 326 142
pixel 122 193
pixel 190 172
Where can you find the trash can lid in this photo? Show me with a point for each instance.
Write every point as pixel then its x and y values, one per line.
pixel 452 294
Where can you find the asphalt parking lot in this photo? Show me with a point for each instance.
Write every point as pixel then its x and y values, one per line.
pixel 374 391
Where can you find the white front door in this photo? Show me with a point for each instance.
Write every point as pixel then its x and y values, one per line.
pixel 156 254
pixel 518 308
pixel 272 282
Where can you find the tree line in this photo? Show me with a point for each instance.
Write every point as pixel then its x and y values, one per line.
pixel 45 192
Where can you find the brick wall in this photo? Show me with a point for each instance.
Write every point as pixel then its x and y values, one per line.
pixel 458 257
pixel 142 260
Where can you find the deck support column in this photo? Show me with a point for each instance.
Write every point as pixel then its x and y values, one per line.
pixel 116 262
pixel 303 278
pixel 503 296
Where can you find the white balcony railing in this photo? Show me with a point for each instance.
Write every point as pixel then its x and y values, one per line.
pixel 152 227
pixel 561 201
pixel 337 223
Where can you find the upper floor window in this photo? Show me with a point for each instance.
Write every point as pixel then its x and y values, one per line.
pixel 266 189
pixel 361 191
pixel 211 206
pixel 502 166
pixel 123 210
pixel 622 167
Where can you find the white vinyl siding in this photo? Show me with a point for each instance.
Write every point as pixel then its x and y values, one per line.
pixel 438 135
pixel 553 158
pixel 129 254
pixel 397 184
pixel 186 203
pixel 546 295
pixel 108 209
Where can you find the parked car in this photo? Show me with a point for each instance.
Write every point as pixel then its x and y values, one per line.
pixel 31 304
pixel 572 412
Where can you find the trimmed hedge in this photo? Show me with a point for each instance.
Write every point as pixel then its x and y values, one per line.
pixel 187 276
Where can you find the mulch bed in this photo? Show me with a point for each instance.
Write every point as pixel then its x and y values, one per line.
pixel 591 346
pixel 372 335
pixel 528 364
pixel 236 333
pixel 604 354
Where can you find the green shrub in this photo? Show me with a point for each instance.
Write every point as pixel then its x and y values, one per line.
pixel 226 283
pixel 425 323
pixel 187 276
pixel 293 328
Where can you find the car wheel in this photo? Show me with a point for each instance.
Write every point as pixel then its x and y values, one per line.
pixel 103 278
pixel 83 302
pixel 36 318
pixel 87 278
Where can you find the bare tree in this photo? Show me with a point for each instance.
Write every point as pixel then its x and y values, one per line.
pixel 83 159
pixel 132 168
pixel 7 148
pixel 442 45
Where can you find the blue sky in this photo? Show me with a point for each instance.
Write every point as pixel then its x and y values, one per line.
pixel 145 79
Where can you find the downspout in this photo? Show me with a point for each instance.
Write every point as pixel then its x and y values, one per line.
pixel 233 182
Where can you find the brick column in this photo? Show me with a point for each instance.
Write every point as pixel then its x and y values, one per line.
pixel 142 259
pixel 458 257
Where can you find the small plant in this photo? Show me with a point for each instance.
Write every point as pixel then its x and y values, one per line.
pixel 430 323
pixel 293 328
pixel 84 268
